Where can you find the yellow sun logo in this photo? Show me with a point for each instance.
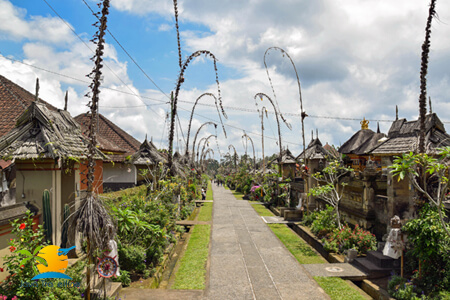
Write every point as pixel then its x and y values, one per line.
pixel 56 259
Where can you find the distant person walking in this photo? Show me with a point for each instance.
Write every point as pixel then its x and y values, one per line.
pixel 203 194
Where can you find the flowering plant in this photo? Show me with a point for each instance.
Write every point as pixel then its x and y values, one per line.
pixel 21 265
pixel 348 238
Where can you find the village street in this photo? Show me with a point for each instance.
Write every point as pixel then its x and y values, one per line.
pixel 247 261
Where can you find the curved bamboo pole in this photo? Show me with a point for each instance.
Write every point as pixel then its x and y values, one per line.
pixel 253 147
pixel 303 113
pixel 195 139
pixel 264 109
pixel 235 156
pixel 204 145
pixel 261 95
pixel 192 115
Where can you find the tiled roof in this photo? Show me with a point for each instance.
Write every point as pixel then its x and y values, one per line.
pixel 111 138
pixel 13 102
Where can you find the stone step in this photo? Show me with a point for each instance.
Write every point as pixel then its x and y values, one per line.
pixel 373 271
pixel 112 291
pixel 382 261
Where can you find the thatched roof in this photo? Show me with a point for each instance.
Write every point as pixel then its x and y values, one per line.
pixel 315 150
pixel 403 137
pixel 43 133
pixel 147 154
pixel 286 157
pixel 361 142
pixel 178 165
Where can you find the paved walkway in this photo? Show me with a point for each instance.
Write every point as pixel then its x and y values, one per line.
pixel 247 261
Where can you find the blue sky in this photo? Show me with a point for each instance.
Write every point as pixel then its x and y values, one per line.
pixel 355 59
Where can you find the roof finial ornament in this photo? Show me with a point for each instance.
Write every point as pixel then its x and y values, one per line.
pixel 429 101
pixel 145 137
pixel 66 99
pixel 364 124
pixel 312 135
pixel 396 113
pixel 317 133
pixel 378 127
pixel 37 91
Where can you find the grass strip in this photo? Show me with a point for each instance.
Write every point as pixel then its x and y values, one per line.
pixel 192 271
pixel 237 195
pixel 262 210
pixel 338 289
pixel 205 212
pixel 209 192
pixel 301 250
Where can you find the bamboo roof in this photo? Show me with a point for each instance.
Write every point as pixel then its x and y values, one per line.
pixel 147 154
pixel 403 137
pixel 287 157
pixel 44 133
pixel 315 150
pixel 362 142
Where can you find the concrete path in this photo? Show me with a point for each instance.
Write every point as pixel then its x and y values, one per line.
pixel 247 261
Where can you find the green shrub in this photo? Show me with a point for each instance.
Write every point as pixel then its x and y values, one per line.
pixel 324 222
pixel 402 289
pixel 132 257
pixel 186 211
pixel 146 274
pixel 124 278
pixel 429 244
pixel 308 218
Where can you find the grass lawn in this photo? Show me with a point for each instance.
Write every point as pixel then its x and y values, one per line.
pixel 209 193
pixel 237 195
pixel 296 245
pixel 192 271
pixel 338 289
pixel 205 212
pixel 262 210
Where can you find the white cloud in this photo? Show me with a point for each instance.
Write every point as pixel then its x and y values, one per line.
pixel 165 27
pixel 14 26
pixel 355 59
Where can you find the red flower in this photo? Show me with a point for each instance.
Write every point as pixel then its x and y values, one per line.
pixel 12 248
pixel 22 226
pixel 1 269
pixel 22 266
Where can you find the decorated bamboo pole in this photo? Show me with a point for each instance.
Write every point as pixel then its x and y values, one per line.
pixel 423 76
pixel 264 109
pixel 235 156
pixel 253 147
pixel 192 115
pixel 91 218
pixel 196 135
